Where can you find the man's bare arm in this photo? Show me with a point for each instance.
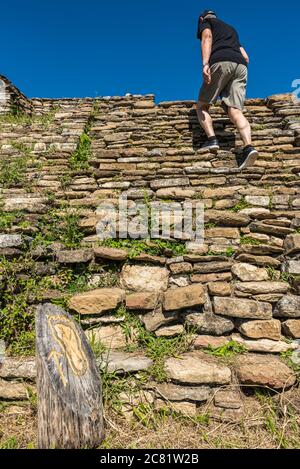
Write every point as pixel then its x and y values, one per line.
pixel 206 45
pixel 207 40
pixel 245 55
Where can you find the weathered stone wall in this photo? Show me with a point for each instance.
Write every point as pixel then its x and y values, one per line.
pixel 240 290
pixel 11 99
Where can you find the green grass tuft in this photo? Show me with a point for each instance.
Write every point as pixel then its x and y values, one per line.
pixel 248 241
pixel 80 158
pixel 227 351
pixel 153 247
pixel 241 205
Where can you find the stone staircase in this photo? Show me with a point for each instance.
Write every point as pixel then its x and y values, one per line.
pixel 238 295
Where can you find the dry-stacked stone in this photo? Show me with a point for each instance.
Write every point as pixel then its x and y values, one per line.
pixel 241 286
pixel 11 98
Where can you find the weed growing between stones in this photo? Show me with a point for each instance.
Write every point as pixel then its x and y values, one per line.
pixel 156 348
pixel 289 278
pixel 258 127
pixel 228 253
pixel 117 388
pixel 22 148
pixel 153 247
pixel 59 226
pixel 97 347
pixel 66 180
pixel 228 351
pixel 19 118
pixel 20 288
pixel 113 386
pixel 288 358
pixel 8 219
pixel 14 168
pixel 62 303
pixel 272 273
pixel 241 205
pixel 12 171
pixel 23 285
pixel 80 157
pixel 81 278
pixel 248 241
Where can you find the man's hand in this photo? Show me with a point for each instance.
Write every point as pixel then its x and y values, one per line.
pixel 207 74
pixel 245 55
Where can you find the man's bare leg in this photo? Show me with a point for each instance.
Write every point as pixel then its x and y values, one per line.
pixel 206 123
pixel 242 124
pixel 205 119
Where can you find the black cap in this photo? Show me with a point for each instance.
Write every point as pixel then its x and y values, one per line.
pixel 207 12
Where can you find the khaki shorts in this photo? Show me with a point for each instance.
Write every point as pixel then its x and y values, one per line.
pixel 228 81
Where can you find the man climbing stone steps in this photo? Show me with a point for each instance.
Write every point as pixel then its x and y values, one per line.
pixel 225 75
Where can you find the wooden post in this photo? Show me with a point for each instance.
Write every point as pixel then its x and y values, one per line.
pixel 70 410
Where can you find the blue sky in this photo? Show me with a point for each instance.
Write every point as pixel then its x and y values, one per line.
pixel 67 48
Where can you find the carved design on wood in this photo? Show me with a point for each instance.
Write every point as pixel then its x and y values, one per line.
pixel 66 336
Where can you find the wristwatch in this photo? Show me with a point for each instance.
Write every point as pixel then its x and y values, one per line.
pixel 205 65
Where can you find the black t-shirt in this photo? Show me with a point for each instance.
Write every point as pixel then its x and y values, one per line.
pixel 226 44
